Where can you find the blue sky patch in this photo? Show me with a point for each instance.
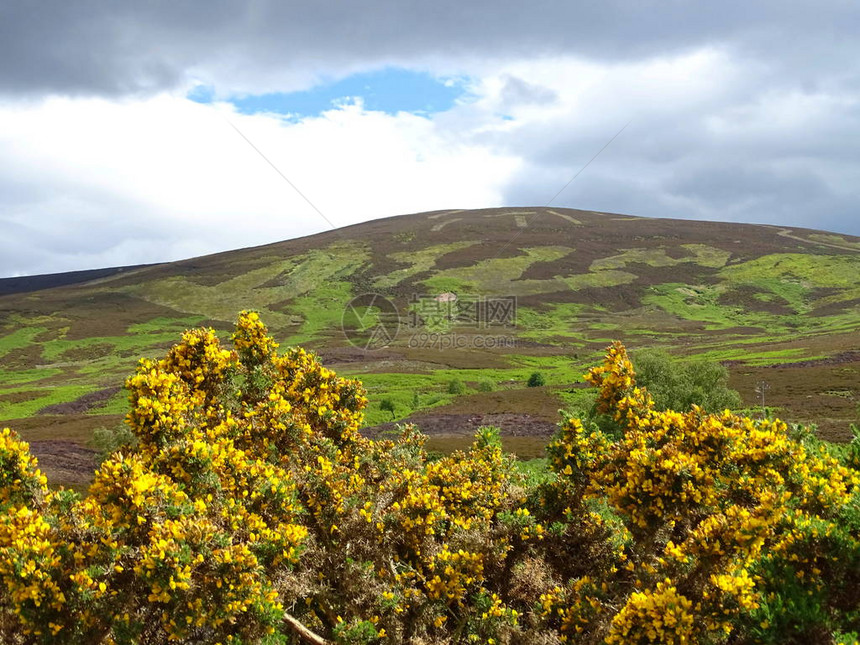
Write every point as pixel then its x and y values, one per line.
pixel 390 90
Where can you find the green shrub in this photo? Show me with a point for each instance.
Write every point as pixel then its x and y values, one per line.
pixel 106 441
pixel 486 385
pixel 456 386
pixel 536 380
pixel 677 385
pixel 387 405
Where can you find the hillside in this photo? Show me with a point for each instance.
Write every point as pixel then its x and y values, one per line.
pixel 777 305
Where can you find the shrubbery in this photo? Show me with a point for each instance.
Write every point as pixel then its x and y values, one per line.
pixel 387 405
pixel 486 385
pixel 253 511
pixel 678 385
pixel 456 386
pixel 536 380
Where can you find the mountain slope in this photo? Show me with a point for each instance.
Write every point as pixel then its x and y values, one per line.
pixel 753 295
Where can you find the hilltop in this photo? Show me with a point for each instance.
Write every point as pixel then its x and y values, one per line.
pixel 514 290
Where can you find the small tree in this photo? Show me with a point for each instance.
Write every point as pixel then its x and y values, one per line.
pixel 536 380
pixel 387 405
pixel 678 385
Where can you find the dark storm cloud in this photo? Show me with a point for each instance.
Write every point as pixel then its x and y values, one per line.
pixel 97 47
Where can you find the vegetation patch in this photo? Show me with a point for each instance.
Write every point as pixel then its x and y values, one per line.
pixel 35 399
pixel 580 279
pixel 417 261
pixel 246 506
pixel 19 338
pixel 500 276
pixel 275 281
pixel 707 256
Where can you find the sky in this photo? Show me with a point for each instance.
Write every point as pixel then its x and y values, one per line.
pixel 137 132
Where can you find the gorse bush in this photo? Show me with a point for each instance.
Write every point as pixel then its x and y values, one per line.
pixel 252 510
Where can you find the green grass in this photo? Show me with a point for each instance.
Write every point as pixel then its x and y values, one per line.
pixel 577 401
pixel 42 397
pixel 700 303
pixel 8 377
pixel 839 271
pixel 792 276
pixel 765 357
pixel 552 322
pixel 54 350
pixel 534 471
pixel 278 280
pixel 400 389
pixel 321 311
pixel 701 254
pixel 19 338
pixel 557 370
pixel 432 386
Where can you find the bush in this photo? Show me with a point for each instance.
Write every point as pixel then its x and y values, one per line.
pixel 536 380
pixel 253 511
pixel 486 385
pixel 678 385
pixel 456 386
pixel 106 441
pixel 387 405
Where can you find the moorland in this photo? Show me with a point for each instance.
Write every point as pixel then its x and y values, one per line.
pixel 779 307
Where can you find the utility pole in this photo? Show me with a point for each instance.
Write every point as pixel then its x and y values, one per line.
pixel 760 389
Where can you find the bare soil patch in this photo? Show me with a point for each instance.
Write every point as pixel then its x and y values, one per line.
pixel 65 463
pixel 23 357
pixel 16 397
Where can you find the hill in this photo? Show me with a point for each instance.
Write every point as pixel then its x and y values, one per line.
pixel 484 297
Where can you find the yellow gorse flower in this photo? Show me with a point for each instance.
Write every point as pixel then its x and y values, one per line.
pixel 251 490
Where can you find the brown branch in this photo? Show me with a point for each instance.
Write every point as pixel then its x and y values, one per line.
pixel 304 633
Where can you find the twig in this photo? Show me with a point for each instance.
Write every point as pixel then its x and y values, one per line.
pixel 304 633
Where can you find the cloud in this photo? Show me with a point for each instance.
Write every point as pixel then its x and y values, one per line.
pixel 708 138
pixel 737 111
pixel 95 182
pixel 116 48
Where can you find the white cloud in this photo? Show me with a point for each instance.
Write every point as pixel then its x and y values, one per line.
pixel 710 137
pixel 121 182
pixel 718 130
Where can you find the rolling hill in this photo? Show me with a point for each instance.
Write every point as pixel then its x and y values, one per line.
pixel 482 297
